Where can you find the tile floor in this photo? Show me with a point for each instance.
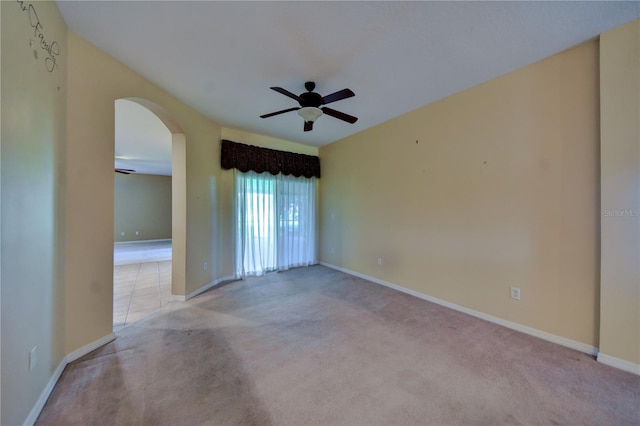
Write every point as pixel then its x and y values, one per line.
pixel 139 289
pixel 141 252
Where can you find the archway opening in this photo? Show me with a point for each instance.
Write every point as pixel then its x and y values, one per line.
pixel 149 210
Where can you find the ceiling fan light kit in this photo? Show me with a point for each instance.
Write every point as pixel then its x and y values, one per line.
pixel 311 108
pixel 310 114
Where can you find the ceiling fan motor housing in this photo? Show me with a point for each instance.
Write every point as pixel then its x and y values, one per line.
pixel 310 99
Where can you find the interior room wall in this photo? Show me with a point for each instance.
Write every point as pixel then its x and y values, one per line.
pixel 143 206
pixel 620 195
pixel 33 183
pixel 491 188
pixel 179 215
pixel 95 81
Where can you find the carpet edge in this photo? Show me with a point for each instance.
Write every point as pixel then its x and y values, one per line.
pixel 563 341
pixel 70 357
pixel 80 352
pixel 619 363
pixel 46 392
pixel 205 288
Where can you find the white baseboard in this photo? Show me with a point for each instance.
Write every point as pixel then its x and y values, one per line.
pixel 177 298
pixel 582 347
pixel 621 364
pixel 142 241
pixel 46 392
pixel 209 286
pixel 78 353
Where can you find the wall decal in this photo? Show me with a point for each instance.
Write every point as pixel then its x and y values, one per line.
pixel 51 47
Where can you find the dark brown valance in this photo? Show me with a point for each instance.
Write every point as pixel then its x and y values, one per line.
pixel 249 157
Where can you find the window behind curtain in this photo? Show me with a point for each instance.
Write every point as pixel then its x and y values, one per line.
pixel 275 222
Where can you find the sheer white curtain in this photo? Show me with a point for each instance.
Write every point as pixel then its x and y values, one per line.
pixel 275 222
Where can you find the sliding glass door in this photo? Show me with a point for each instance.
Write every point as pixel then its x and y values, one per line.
pixel 275 222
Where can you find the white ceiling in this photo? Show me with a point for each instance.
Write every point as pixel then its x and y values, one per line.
pixel 143 142
pixel 222 57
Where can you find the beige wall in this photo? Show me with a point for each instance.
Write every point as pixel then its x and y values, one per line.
pixel 142 205
pixel 205 218
pixel 620 193
pixel 179 214
pixel 32 234
pixel 95 81
pixel 493 187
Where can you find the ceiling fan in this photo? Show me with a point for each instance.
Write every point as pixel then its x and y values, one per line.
pixel 311 108
pixel 124 171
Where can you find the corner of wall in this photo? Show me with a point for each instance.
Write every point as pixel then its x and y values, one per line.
pixel 620 195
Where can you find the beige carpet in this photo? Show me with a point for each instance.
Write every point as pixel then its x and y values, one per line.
pixel 313 346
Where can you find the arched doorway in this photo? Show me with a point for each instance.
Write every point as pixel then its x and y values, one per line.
pixel 150 207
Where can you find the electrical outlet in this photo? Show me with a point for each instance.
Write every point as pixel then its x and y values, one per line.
pixel 332 250
pixel 137 233
pixel 379 261
pixel 122 233
pixel 33 358
pixel 515 293
pixel 205 266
